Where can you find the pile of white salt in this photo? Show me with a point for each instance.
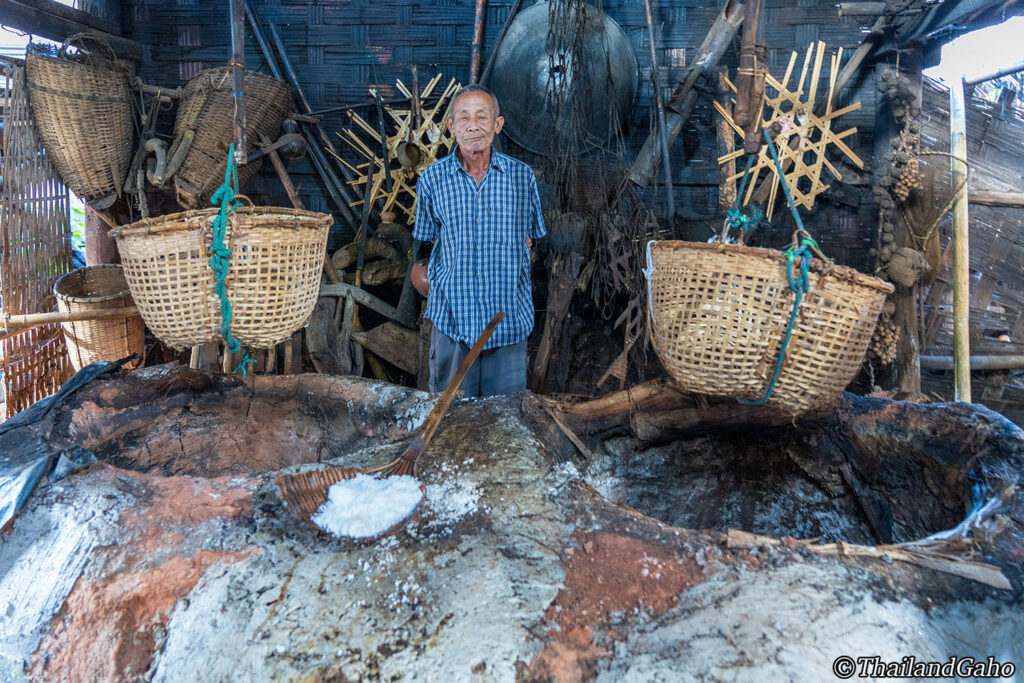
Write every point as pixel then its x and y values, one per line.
pixel 366 506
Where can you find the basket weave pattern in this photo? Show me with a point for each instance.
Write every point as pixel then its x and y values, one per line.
pixel 207 107
pixel 84 118
pixel 719 314
pixel 273 277
pixel 106 339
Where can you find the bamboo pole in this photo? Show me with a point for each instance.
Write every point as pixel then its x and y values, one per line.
pixel 478 41
pixel 961 253
pixel 662 132
pixel 996 198
pixel 11 325
pixel 237 15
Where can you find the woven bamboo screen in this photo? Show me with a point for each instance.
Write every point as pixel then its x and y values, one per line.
pixel 35 250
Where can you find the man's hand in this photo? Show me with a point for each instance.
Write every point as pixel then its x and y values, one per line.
pixel 529 243
pixel 419 277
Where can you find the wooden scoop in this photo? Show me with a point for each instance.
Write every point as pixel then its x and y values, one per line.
pixel 307 491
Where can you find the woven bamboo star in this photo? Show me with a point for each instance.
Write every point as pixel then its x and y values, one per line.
pixel 430 140
pixel 804 141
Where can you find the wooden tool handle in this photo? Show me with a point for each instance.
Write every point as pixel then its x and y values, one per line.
pixel 434 419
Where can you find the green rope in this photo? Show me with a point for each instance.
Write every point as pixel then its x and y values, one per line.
pixel 734 218
pixel 220 255
pixel 799 254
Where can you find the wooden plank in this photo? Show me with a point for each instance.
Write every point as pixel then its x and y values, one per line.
pixel 394 343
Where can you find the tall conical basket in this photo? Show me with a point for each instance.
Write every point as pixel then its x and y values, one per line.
pixel 204 124
pixel 82 108
pixel 273 276
pixel 105 339
pixel 719 315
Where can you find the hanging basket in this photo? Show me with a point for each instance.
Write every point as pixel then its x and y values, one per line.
pixel 82 108
pixel 205 123
pixel 719 314
pixel 106 339
pixel 272 283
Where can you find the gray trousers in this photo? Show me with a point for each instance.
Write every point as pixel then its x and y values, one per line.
pixel 501 370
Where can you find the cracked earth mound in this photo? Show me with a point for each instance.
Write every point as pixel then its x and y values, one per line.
pixel 174 558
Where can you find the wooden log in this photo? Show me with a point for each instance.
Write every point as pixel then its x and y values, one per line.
pixel 750 78
pixel 561 285
pixel 680 105
pixel 16 324
pixel 669 425
pixel 394 343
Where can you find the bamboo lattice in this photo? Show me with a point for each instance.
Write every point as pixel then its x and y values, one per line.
pixel 35 250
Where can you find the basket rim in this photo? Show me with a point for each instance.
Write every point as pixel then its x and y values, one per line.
pixel 41 55
pixel 185 220
pixel 78 273
pixel 837 270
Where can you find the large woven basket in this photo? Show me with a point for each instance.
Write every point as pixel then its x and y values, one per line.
pixel 719 314
pixel 90 289
pixel 82 108
pixel 206 113
pixel 273 277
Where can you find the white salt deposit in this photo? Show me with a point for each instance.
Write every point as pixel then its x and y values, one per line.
pixel 365 506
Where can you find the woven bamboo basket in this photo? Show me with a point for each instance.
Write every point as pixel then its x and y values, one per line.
pixel 107 339
pixel 719 314
pixel 206 114
pixel 82 108
pixel 273 276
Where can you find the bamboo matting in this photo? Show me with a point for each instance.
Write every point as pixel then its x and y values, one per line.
pixel 35 250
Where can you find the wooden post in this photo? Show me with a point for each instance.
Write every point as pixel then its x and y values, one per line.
pixel 961 253
pixel 478 40
pixel 660 105
pixel 908 347
pixel 238 77
pixel 726 187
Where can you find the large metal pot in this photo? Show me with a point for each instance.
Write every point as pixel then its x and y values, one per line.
pixel 520 80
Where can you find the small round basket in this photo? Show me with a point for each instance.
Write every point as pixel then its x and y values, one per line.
pixel 82 107
pixel 272 283
pixel 105 339
pixel 719 315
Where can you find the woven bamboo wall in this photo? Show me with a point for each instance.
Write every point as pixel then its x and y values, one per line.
pixel 35 250
pixel 340 48
pixel 995 152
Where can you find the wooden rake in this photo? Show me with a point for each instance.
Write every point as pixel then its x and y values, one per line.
pixel 305 492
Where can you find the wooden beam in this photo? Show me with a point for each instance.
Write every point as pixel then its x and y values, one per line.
pixel 976 362
pixel 55 21
pixel 961 251
pixel 996 198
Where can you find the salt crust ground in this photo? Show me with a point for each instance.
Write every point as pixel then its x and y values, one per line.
pixel 499 578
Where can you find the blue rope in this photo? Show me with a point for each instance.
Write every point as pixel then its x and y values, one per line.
pixel 220 255
pixel 800 253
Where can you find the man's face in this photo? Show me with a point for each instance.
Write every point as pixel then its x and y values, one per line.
pixel 473 122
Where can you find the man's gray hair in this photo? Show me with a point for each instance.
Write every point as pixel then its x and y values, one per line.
pixel 474 87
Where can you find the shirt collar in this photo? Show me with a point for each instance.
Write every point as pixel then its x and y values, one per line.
pixel 499 161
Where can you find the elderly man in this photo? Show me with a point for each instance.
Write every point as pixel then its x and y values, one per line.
pixel 481 210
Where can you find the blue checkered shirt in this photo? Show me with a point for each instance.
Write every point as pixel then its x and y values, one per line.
pixel 480 264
